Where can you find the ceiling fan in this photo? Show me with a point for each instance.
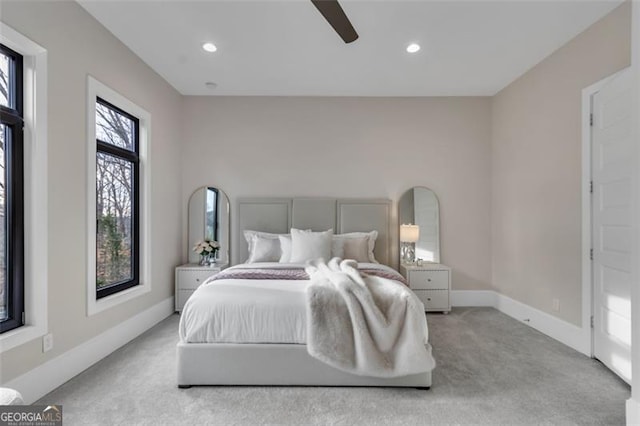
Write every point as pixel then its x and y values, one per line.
pixel 335 16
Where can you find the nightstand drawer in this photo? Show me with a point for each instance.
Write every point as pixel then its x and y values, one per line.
pixel 429 280
pixel 182 296
pixel 190 280
pixel 434 300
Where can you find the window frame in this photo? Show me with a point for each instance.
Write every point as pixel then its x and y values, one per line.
pixel 36 225
pixel 132 157
pixel 95 305
pixel 12 117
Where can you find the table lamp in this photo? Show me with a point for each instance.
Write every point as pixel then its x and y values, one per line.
pixel 409 235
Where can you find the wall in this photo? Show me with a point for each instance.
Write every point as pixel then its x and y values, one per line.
pixel 633 404
pixel 536 168
pixel 77 46
pixel 352 147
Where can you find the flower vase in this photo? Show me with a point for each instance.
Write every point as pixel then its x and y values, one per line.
pixel 208 259
pixel 205 259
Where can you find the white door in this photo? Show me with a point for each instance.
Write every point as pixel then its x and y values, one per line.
pixel 611 170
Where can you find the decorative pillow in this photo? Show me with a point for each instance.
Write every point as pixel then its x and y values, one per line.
pixel 248 235
pixel 308 245
pixel 359 245
pixel 263 246
pixel 285 246
pixel 264 250
pixel 337 247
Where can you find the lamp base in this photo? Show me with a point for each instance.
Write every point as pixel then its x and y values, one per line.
pixel 408 253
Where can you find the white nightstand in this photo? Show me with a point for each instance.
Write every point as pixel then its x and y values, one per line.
pixel 189 277
pixel 431 282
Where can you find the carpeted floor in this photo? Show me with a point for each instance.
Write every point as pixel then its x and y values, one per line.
pixel 491 370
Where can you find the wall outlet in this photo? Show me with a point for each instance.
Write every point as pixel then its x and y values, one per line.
pixel 555 303
pixel 47 342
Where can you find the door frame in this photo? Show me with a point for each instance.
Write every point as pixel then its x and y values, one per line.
pixel 587 271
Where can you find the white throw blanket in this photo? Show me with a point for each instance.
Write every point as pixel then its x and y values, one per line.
pixel 369 326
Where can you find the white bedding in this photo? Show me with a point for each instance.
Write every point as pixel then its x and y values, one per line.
pixel 249 310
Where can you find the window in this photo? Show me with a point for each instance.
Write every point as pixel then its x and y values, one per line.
pixel 118 176
pixel 117 199
pixel 23 98
pixel 11 191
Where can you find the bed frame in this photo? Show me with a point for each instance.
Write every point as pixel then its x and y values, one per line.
pixel 290 364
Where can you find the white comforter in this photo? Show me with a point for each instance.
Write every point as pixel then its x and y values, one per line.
pixel 246 311
pixel 249 310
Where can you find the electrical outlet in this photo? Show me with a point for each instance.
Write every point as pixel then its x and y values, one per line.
pixel 47 343
pixel 556 304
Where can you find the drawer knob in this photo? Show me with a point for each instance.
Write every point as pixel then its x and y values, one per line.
pixel 198 279
pixel 429 279
pixel 428 298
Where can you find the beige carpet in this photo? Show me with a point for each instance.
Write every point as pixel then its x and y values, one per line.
pixel 491 370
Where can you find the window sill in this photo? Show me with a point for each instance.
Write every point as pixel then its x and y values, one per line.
pixel 20 336
pixel 95 306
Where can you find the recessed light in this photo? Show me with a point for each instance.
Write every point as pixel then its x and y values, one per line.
pixel 210 85
pixel 209 47
pixel 413 48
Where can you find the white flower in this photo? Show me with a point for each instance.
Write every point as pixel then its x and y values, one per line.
pixel 206 247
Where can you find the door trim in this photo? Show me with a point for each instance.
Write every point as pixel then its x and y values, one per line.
pixel 587 274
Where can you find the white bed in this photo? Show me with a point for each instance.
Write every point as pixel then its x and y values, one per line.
pixel 253 331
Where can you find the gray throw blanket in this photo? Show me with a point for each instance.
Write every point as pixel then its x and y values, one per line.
pixel 365 325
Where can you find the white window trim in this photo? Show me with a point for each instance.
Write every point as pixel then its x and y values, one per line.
pixel 35 189
pixel 96 89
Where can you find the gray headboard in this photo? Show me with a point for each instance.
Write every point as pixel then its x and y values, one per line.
pixel 279 215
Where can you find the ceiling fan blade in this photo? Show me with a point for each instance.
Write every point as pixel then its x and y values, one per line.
pixel 335 16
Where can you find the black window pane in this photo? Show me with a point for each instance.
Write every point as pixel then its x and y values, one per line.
pixel 114 185
pixel 5 64
pixel 114 128
pixel 4 288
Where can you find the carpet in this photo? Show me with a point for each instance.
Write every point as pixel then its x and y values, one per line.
pixel 491 370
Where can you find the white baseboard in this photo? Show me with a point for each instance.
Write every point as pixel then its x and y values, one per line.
pixel 633 412
pixel 564 332
pixel 38 382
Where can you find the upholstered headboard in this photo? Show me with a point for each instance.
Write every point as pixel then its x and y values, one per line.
pixel 279 215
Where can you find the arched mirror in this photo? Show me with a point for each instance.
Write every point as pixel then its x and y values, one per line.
pixel 419 219
pixel 209 220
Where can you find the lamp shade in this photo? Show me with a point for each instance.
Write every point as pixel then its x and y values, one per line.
pixel 409 233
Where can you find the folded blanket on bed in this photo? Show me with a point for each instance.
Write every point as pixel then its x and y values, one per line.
pixel 365 325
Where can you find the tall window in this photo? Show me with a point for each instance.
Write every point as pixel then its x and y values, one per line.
pixel 11 191
pixel 117 199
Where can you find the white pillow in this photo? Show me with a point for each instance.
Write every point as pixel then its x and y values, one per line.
pixel 358 245
pixel 285 246
pixel 263 246
pixel 264 250
pixel 308 245
pixel 337 247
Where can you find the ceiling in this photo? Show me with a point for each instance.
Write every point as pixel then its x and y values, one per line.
pixel 286 48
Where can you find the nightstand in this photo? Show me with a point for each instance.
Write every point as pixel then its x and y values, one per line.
pixel 189 277
pixel 431 282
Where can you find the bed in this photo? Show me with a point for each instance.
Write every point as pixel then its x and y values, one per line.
pixel 244 329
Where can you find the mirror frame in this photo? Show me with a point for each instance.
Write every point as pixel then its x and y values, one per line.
pixel 223 212
pixel 437 256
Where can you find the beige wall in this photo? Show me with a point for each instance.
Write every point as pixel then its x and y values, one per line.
pixel 77 46
pixel 352 147
pixel 536 167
